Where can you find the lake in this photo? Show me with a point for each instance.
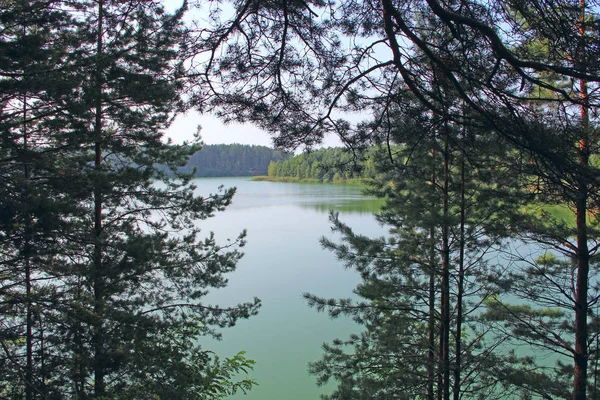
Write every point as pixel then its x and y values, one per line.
pixel 283 259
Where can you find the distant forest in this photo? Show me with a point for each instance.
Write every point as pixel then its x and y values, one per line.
pixel 334 164
pixel 233 160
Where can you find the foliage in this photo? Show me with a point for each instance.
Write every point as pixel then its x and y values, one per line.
pixel 326 165
pixel 522 73
pixel 103 268
pixel 443 213
pixel 233 160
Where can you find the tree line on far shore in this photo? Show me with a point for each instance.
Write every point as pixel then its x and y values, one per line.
pixel 233 160
pixel 333 164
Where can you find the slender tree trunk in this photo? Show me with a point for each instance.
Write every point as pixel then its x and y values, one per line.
pixel 445 286
pixel 27 261
pixel 98 339
pixel 431 340
pixel 581 302
pixel 460 288
pixel 583 267
pixel 583 256
pixel 440 334
pixel 79 364
pixel 42 356
pixel 29 328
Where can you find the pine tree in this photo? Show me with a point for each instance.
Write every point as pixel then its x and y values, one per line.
pixel 525 71
pixel 423 285
pixel 110 301
pixel 34 46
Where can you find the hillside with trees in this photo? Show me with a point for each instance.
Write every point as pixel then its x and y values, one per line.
pixel 233 160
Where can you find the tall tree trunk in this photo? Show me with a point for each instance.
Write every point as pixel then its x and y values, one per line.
pixel 98 282
pixel 583 267
pixel 460 289
pixel 27 261
pixel 445 286
pixel 581 303
pixel 42 356
pixel 432 269
pixel 583 256
pixel 79 364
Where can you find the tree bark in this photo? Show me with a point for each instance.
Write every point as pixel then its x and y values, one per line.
pixel 460 289
pixel 431 339
pixel 27 261
pixel 583 257
pixel 98 334
pixel 445 287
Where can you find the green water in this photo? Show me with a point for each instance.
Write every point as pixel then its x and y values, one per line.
pixel 283 259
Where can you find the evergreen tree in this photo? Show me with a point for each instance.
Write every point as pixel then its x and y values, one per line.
pixel 35 41
pixel 104 270
pixel 423 285
pixel 525 71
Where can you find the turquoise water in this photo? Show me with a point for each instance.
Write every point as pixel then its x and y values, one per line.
pixel 283 259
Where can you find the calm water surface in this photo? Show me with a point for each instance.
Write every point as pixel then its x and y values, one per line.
pixel 283 259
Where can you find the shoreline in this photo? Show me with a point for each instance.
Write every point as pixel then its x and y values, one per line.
pixel 291 179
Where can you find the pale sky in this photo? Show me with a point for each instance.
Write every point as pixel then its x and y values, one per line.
pixel 216 132
pixel 213 130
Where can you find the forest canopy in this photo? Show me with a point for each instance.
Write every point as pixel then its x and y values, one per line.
pixel 103 269
pixel 334 164
pixel 233 160
pixel 494 107
pixel 466 79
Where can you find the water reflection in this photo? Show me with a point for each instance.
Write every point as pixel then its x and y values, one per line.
pixel 283 259
pixel 321 197
pixel 359 206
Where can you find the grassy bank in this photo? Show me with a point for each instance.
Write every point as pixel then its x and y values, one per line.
pixel 263 178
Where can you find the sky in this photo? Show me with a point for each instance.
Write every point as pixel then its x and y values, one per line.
pixel 213 130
